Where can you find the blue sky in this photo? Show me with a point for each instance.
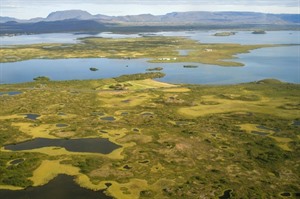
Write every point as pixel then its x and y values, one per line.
pixel 26 9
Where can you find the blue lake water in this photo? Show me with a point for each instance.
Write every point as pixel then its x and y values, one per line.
pixel 241 37
pixel 282 63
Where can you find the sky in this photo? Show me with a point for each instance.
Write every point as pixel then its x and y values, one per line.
pixel 26 9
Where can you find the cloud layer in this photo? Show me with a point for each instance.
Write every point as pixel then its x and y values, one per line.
pixel 41 8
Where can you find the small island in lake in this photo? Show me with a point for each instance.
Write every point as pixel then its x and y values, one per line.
pixel 93 69
pixel 259 32
pixel 224 34
pixel 190 66
pixel 155 69
pixel 41 78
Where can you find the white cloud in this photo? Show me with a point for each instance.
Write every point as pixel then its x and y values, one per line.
pixel 41 8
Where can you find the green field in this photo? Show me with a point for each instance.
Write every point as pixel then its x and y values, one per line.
pixel 177 141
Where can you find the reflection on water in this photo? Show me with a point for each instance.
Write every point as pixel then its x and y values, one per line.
pixel 61 187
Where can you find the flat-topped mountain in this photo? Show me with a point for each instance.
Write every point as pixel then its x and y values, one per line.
pixel 69 14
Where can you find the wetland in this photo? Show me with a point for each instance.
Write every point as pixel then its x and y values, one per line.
pixel 168 141
pixel 126 132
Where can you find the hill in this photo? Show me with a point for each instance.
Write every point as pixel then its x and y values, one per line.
pixel 177 20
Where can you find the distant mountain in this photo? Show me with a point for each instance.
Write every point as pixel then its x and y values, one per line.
pixel 51 26
pixel 6 19
pixel 213 17
pixel 69 14
pixel 174 19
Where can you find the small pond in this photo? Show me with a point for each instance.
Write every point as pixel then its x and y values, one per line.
pixel 108 118
pixel 10 93
pixel 61 125
pixel 285 194
pixel 296 123
pixel 226 194
pixel 61 187
pixel 88 145
pixel 17 161
pixel 32 116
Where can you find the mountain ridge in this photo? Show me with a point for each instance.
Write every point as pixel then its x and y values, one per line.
pixel 83 21
pixel 173 17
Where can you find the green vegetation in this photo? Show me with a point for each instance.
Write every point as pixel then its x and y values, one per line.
pixel 190 66
pixel 93 69
pixel 178 141
pixel 139 76
pixel 157 49
pixel 155 69
pixel 41 79
pixel 259 32
pixel 224 34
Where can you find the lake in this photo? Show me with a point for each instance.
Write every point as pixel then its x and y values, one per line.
pixel 61 187
pixel 282 63
pixel 85 145
pixel 241 37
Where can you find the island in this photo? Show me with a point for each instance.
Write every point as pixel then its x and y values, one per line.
pixel 93 69
pixel 259 32
pixel 158 49
pixel 224 34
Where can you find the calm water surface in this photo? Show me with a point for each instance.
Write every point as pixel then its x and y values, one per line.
pixel 242 37
pixel 61 187
pixel 88 145
pixel 282 63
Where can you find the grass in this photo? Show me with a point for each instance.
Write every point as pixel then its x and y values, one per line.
pixel 157 49
pixel 192 140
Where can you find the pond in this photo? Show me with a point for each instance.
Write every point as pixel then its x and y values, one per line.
pixel 226 194
pixel 10 93
pixel 61 187
pixel 87 145
pixel 17 161
pixel 108 118
pixel 32 116
pixel 61 125
pixel 296 123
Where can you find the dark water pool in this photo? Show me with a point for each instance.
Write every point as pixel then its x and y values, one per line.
pixel 226 194
pixel 108 118
pixel 61 125
pixel 61 187
pixel 285 194
pixel 17 161
pixel 88 145
pixel 10 93
pixel 296 123
pixel 32 116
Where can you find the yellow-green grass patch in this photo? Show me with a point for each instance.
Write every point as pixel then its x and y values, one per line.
pixel 265 106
